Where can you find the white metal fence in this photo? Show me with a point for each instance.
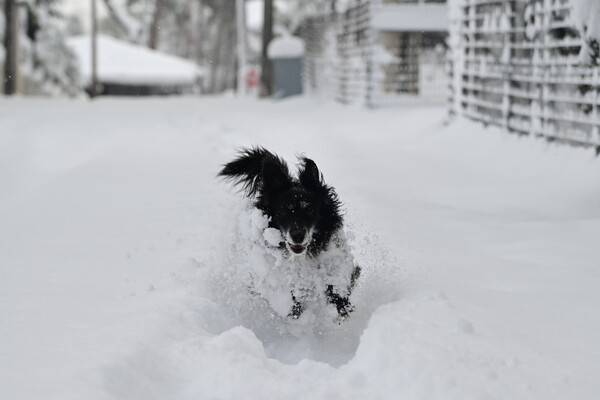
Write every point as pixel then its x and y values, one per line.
pixel 519 64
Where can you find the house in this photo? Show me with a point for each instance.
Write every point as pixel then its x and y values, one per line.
pixel 373 51
pixel 126 69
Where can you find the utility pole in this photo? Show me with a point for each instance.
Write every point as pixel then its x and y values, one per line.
pixel 10 45
pixel 94 88
pixel 240 13
pixel 266 87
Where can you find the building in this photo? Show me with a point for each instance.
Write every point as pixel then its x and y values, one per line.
pixel 126 69
pixel 375 51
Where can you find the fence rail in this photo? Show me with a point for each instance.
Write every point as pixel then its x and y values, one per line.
pixel 518 64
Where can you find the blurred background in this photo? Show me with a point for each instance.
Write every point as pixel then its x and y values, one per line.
pixel 527 66
pixel 159 47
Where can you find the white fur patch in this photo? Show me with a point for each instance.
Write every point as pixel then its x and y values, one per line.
pixel 275 276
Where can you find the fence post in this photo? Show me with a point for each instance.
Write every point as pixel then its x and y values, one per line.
pixel 369 63
pixel 507 67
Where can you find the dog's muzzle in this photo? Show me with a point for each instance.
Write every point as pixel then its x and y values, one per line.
pixel 297 240
pixel 297 248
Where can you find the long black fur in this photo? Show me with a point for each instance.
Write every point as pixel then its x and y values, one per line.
pixel 265 178
pixel 248 171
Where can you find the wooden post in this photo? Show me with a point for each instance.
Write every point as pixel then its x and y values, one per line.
pixel 10 45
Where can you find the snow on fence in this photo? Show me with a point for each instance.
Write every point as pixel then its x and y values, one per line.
pixel 526 66
pixel 338 57
pixel 369 54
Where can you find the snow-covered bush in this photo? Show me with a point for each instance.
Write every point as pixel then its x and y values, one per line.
pixel 50 54
pixel 46 64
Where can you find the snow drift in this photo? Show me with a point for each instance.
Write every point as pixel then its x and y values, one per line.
pixel 118 256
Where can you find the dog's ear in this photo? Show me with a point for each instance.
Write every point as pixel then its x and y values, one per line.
pixel 309 175
pixel 275 176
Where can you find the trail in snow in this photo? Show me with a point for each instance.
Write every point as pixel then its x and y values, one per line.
pixel 478 251
pixel 251 283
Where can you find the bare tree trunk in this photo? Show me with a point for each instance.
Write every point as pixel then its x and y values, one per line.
pixel 205 36
pixel 10 44
pixel 94 88
pixel 185 20
pixel 241 46
pixel 196 13
pixel 155 25
pixel 223 68
pixel 266 87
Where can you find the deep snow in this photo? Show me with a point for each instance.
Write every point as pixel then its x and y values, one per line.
pixel 479 251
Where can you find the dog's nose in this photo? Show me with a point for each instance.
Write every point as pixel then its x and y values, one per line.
pixel 298 235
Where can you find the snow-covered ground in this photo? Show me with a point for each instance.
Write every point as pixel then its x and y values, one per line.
pixel 480 252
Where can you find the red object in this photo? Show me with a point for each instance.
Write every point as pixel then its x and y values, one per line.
pixel 252 78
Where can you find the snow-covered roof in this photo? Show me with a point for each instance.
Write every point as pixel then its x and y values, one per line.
pixel 127 63
pixel 411 17
pixel 286 46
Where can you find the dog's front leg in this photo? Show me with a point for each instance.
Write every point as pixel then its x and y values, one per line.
pixel 343 305
pixel 297 308
pixel 344 308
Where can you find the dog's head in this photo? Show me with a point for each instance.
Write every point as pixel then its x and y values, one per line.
pixel 304 209
pixel 297 207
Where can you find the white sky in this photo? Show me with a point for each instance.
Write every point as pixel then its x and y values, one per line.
pixel 83 9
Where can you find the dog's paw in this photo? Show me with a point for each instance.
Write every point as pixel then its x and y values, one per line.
pixel 343 313
pixel 296 311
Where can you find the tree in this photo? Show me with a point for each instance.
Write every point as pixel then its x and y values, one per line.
pixel 50 55
pixel 222 55
pixel 43 51
pixel 131 26
pixel 266 87
pixel 10 45
pixel 290 15
pixel 155 25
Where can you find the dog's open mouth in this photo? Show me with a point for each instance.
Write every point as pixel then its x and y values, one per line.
pixel 297 248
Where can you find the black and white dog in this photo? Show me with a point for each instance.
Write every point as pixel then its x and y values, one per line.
pixel 304 209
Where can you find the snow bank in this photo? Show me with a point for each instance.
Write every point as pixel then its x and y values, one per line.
pixel 286 46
